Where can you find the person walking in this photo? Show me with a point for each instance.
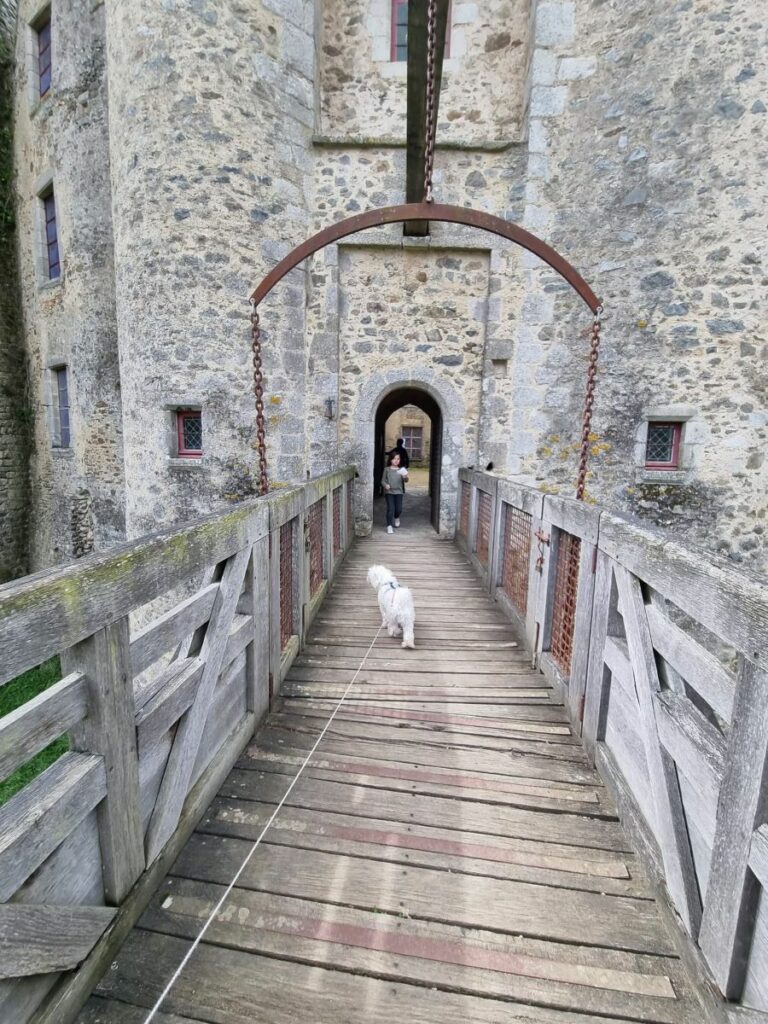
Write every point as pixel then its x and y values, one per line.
pixel 393 483
pixel 402 451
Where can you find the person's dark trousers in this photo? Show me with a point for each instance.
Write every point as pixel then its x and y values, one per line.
pixel 394 507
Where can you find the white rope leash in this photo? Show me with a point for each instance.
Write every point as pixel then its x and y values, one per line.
pixel 177 973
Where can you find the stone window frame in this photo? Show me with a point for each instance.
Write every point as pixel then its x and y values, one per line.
pixel 176 458
pixel 44 188
pixel 380 24
pixel 690 444
pixel 54 368
pixel 42 16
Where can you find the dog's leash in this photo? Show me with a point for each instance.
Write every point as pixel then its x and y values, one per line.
pixel 177 973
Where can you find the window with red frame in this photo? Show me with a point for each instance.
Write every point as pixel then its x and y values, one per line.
pixel 662 446
pixel 399 38
pixel 44 55
pixel 189 428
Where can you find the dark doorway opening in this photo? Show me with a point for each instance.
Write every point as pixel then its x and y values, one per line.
pixel 391 403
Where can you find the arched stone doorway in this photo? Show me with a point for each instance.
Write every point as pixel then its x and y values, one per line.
pixel 456 441
pixel 393 401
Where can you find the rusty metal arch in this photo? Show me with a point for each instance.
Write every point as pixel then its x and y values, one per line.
pixel 428 212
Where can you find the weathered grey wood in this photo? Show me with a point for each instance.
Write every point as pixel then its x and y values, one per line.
pixel 176 779
pixel 701 670
pixel 275 652
pixel 228 984
pixel 39 818
pixel 731 604
pixel 526 970
pixel 574 517
pixel 694 744
pixel 671 829
pixel 618 660
pixel 284 505
pixel 257 589
pixel 598 678
pixel 179 686
pixel 31 727
pixel 44 614
pixel 758 855
pixel 38 940
pixel 68 998
pixel 180 682
pixel 486 902
pixel 732 892
pixel 104 660
pixel 160 636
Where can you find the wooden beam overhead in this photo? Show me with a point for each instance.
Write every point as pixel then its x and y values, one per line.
pixel 416 131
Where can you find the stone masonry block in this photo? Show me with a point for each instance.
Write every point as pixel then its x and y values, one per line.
pixel 538 137
pixel 555 24
pixel 548 101
pixel 543 67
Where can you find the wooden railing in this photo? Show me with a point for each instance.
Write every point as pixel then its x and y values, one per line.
pixel 171 649
pixel 661 657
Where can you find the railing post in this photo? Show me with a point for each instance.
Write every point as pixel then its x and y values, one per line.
pixel 497 546
pixel 274 611
pixel 109 730
pixel 605 623
pixel 732 893
pixel 257 651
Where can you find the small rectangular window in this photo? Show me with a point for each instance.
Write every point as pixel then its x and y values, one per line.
pixel 61 429
pixel 189 432
pixel 413 438
pixel 51 236
pixel 662 446
pixel 399 38
pixel 43 31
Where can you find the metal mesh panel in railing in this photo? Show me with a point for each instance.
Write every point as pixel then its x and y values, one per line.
pixel 336 521
pixel 350 520
pixel 464 510
pixel 286 583
pixel 564 604
pixel 316 553
pixel 483 534
pixel 515 561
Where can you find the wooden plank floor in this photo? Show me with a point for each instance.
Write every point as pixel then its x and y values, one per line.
pixel 448 855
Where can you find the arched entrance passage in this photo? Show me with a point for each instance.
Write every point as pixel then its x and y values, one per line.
pixel 389 404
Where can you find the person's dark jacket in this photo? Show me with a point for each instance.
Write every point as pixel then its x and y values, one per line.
pixel 402 451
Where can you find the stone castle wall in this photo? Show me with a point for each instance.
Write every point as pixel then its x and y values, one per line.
pixel 77 492
pixel 627 136
pixel 211 186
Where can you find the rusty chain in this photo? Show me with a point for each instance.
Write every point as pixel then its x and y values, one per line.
pixel 589 401
pixel 429 142
pixel 258 392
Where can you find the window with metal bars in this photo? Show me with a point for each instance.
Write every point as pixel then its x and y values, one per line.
pixel 286 583
pixel 52 256
pixel 516 557
pixel 189 433
pixel 564 601
pixel 662 446
pixel 316 547
pixel 43 40
pixel 62 437
pixel 483 533
pixel 399 38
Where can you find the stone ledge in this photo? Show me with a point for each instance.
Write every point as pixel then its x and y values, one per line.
pixel 399 142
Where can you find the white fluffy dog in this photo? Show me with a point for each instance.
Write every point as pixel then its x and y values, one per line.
pixel 395 603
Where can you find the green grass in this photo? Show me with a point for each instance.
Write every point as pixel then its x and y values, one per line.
pixel 15 693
